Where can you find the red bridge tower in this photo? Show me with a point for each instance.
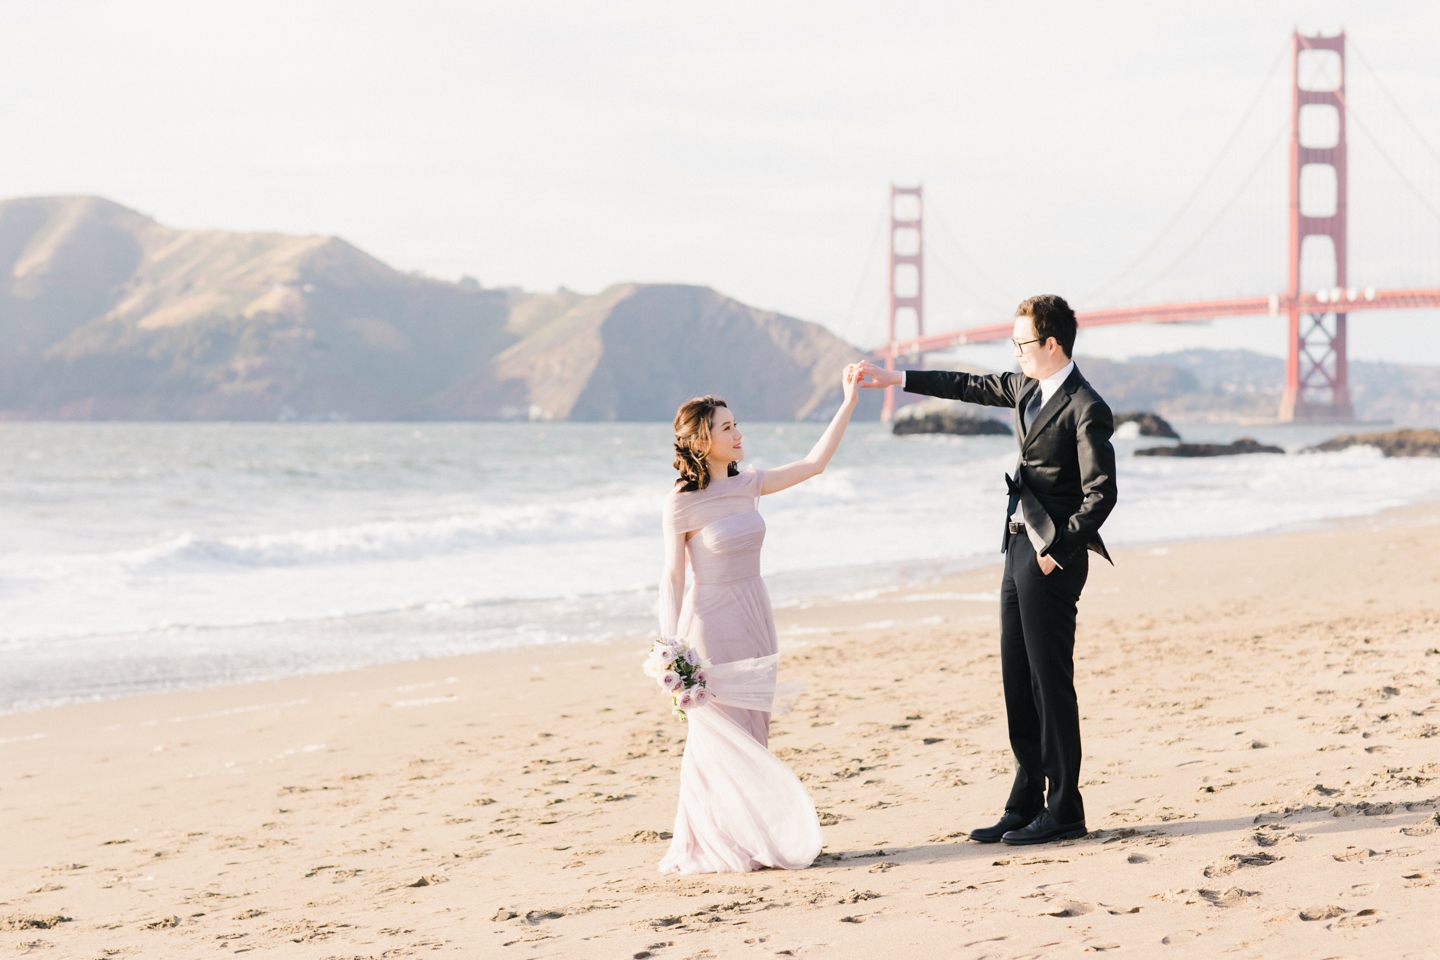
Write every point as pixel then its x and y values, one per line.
pixel 907 250
pixel 1316 386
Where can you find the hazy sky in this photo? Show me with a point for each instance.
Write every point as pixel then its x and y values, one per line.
pixel 747 146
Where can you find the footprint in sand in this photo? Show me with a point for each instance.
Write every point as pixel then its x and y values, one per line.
pixel 1228 897
pixel 1355 854
pixel 1274 839
pixel 1237 860
pixel 1321 912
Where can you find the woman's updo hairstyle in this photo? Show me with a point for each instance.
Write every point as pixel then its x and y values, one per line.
pixel 692 440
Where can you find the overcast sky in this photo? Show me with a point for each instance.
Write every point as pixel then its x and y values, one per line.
pixel 749 146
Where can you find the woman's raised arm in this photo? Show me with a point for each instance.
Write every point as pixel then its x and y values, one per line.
pixel 781 478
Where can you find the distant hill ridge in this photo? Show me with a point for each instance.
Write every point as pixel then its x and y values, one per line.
pixel 107 314
pixel 1231 385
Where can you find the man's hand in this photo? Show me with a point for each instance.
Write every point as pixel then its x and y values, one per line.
pixel 1047 565
pixel 877 376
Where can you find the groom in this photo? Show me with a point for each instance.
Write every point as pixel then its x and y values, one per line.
pixel 1062 491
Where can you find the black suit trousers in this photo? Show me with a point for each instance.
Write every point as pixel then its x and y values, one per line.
pixel 1037 662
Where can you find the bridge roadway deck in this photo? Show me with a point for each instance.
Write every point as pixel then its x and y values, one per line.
pixel 1346 301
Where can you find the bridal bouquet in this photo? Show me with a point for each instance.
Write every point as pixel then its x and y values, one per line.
pixel 677 667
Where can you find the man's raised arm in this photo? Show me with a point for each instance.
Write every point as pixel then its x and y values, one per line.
pixel 991 390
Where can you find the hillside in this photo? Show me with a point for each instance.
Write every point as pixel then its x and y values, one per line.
pixel 1229 385
pixel 107 314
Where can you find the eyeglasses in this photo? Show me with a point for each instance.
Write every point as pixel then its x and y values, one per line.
pixel 1020 344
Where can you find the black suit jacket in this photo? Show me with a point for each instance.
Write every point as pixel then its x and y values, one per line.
pixel 1066 473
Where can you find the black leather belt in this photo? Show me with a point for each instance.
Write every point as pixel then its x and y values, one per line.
pixel 1016 527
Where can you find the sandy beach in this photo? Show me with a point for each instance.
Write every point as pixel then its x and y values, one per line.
pixel 1260 720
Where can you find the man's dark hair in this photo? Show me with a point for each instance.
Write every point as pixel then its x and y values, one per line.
pixel 1053 318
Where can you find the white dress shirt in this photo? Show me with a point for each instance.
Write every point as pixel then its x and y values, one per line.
pixel 1048 386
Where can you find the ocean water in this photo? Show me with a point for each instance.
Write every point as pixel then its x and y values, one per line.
pixel 140 557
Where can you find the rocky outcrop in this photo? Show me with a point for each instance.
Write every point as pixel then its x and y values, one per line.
pixel 945 416
pixel 1395 443
pixel 1243 445
pixel 1147 424
pixel 107 314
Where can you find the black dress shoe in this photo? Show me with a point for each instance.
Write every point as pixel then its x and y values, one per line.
pixel 1011 821
pixel 1044 829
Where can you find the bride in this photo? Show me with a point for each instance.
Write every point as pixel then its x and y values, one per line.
pixel 740 807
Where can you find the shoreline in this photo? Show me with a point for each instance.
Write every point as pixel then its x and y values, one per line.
pixel 895 576
pixel 1259 714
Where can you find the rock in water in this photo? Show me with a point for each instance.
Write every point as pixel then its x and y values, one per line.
pixel 1243 445
pixel 1147 424
pixel 923 418
pixel 1395 443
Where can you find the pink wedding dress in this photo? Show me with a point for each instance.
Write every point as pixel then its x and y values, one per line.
pixel 740 807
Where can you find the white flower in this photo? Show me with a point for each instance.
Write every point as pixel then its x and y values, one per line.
pixel 691 657
pixel 665 656
pixel 670 680
pixel 652 666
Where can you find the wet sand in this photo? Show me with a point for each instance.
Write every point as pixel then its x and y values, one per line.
pixel 1260 724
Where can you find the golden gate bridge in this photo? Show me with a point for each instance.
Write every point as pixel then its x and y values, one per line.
pixel 1316 383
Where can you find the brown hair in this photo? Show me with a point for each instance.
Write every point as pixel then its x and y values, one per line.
pixel 692 441
pixel 1053 318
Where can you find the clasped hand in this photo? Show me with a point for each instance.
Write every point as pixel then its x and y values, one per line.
pixel 850 379
pixel 873 376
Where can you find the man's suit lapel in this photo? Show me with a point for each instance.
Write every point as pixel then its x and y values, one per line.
pixel 1057 403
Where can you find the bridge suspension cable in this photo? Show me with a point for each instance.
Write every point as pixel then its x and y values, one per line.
pixel 1204 180
pixel 1010 298
pixel 1394 102
pixel 1374 142
pixel 1220 215
pixel 860 284
pixel 954 276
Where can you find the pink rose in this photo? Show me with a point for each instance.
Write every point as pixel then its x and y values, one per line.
pixel 670 680
pixel 701 677
pixel 700 695
pixel 686 699
pixel 666 656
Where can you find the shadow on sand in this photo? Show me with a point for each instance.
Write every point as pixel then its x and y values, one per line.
pixel 1333 819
